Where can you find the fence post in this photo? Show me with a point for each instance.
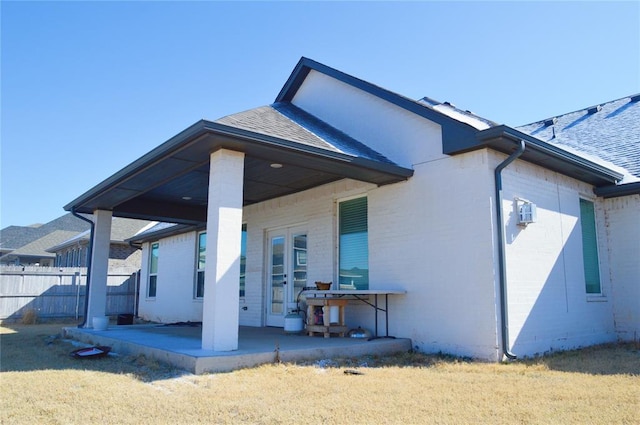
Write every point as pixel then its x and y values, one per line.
pixel 136 293
pixel 75 280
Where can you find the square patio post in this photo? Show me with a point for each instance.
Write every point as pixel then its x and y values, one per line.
pixel 99 266
pixel 220 315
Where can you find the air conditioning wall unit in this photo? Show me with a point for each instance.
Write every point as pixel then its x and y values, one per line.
pixel 527 212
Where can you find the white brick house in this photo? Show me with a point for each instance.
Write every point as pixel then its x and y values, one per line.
pixel 340 180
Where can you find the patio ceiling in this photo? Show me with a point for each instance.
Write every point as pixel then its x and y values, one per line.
pixel 171 182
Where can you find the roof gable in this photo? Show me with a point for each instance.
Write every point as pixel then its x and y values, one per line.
pixel 455 132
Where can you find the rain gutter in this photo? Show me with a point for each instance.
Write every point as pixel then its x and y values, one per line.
pixel 504 316
pixel 89 256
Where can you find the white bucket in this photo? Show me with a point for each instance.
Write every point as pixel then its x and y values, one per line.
pixel 100 323
pixel 292 323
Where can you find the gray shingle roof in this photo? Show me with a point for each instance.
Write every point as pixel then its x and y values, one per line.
pixel 38 247
pixel 121 230
pixel 610 131
pixel 14 237
pixel 287 121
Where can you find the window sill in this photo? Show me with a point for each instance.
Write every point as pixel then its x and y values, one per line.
pixel 597 298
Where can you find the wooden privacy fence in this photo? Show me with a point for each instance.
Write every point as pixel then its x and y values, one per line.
pixel 53 292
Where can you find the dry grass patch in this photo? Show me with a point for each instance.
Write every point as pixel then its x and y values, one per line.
pixel 42 384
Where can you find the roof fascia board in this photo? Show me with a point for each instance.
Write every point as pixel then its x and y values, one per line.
pixel 453 131
pixel 615 191
pixel 486 137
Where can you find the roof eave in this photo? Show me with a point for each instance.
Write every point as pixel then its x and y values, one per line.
pixel 163 233
pixel 146 160
pixel 615 191
pixel 236 138
pixel 572 165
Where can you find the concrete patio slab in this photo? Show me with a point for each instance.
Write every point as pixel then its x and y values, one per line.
pixel 181 346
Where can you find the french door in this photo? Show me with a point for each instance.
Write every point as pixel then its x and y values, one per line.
pixel 286 272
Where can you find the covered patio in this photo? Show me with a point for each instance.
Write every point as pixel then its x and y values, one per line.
pixel 205 175
pixel 181 346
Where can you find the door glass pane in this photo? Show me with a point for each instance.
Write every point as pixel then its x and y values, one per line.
pixel 243 260
pixel 299 265
pixel 278 275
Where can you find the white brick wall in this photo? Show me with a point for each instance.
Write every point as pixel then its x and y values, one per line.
pixel 432 236
pixel 622 217
pixel 174 301
pixel 548 305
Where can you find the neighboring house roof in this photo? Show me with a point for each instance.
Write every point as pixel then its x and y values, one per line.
pixel 609 132
pixel 14 237
pixel 121 230
pixel 38 248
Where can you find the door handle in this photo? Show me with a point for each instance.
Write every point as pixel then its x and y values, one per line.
pixel 284 282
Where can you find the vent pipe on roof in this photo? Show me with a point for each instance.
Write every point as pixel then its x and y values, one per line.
pixel 594 109
pixel 502 266
pixel 89 255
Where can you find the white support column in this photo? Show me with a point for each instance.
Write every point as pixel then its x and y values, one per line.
pixel 99 266
pixel 220 316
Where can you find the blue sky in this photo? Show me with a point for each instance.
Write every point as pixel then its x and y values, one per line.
pixel 88 87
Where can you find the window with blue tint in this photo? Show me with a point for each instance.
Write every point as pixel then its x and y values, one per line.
pixel 590 247
pixel 201 257
pixel 353 244
pixel 152 287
